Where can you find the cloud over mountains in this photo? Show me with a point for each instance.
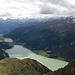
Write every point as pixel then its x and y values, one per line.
pixel 32 8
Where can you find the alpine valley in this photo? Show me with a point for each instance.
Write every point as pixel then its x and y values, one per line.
pixel 53 38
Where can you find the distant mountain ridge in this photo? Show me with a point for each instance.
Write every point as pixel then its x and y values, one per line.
pixel 56 36
pixel 10 24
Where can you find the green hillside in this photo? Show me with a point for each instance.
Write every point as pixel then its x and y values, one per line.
pixel 14 66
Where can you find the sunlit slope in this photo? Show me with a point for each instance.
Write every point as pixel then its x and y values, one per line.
pixel 14 66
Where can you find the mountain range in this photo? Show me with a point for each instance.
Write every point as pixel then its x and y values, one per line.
pixel 54 37
pixel 10 24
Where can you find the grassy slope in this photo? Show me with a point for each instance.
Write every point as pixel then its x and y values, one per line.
pixel 42 53
pixel 13 66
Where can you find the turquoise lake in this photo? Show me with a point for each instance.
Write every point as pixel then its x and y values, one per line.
pixel 20 52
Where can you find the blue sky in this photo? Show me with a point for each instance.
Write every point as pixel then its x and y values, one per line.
pixel 36 8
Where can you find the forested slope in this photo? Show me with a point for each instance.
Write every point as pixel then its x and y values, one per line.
pixel 56 36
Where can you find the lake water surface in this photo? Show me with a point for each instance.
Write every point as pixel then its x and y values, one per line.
pixel 20 52
pixel 8 40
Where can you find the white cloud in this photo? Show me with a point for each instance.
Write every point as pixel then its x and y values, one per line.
pixel 61 7
pixel 32 8
pixel 18 8
pixel 72 1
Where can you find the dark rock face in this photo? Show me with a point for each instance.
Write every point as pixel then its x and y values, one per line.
pixel 3 47
pixel 3 54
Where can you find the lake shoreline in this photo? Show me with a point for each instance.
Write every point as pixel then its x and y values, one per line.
pixel 41 55
pixel 21 52
pixel 50 57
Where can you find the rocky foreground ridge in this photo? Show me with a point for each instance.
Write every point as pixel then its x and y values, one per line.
pixel 14 66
